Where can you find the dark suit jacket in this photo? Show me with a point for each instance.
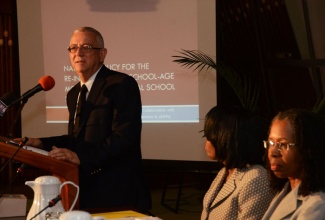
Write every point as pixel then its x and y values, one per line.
pixel 108 143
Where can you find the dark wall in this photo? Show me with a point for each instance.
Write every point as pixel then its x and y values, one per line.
pixel 256 39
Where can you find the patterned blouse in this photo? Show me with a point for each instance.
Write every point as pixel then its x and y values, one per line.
pixel 246 195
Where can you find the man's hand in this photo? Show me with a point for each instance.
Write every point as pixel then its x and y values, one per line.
pixel 64 154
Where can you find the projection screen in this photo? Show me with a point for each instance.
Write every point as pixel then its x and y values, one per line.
pixel 141 37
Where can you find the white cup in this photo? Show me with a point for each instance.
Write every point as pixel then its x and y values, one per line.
pixel 75 215
pixel 52 215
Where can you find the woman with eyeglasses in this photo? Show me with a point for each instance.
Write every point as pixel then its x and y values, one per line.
pixel 296 165
pixel 241 189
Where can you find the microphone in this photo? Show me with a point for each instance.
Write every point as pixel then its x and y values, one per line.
pixel 52 203
pixel 20 145
pixel 5 101
pixel 21 168
pixel 45 83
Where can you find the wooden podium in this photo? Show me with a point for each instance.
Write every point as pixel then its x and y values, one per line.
pixel 65 171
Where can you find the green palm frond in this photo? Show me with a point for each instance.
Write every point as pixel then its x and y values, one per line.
pixel 244 88
pixel 320 105
pixel 190 58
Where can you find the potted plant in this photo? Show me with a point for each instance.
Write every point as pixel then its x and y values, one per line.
pixel 246 90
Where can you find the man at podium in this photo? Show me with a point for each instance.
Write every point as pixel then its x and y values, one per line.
pixel 104 130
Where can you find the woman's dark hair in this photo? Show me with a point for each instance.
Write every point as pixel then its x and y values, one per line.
pixel 237 135
pixel 309 138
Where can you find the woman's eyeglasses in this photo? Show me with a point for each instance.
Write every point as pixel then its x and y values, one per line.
pixel 280 146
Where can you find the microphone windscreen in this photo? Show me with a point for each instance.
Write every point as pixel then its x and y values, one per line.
pixel 47 82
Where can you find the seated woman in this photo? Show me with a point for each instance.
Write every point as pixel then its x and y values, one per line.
pixel 234 137
pixel 296 155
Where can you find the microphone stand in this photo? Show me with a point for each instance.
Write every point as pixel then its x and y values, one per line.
pixel 17 116
pixel 21 144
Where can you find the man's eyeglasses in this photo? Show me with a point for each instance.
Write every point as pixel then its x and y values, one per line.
pixel 83 48
pixel 280 146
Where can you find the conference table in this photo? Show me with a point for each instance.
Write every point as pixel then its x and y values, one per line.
pixel 125 215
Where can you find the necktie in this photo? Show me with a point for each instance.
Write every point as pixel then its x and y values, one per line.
pixel 81 102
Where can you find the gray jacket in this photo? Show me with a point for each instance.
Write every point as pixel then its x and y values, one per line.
pixel 246 195
pixel 289 205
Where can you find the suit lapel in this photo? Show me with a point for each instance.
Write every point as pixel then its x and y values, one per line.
pixel 93 94
pixel 98 84
pixel 287 203
pixel 228 188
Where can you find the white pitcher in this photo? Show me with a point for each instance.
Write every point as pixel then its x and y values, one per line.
pixel 45 189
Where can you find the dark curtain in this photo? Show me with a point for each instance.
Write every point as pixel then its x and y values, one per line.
pixel 256 38
pixel 9 65
pixel 9 82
